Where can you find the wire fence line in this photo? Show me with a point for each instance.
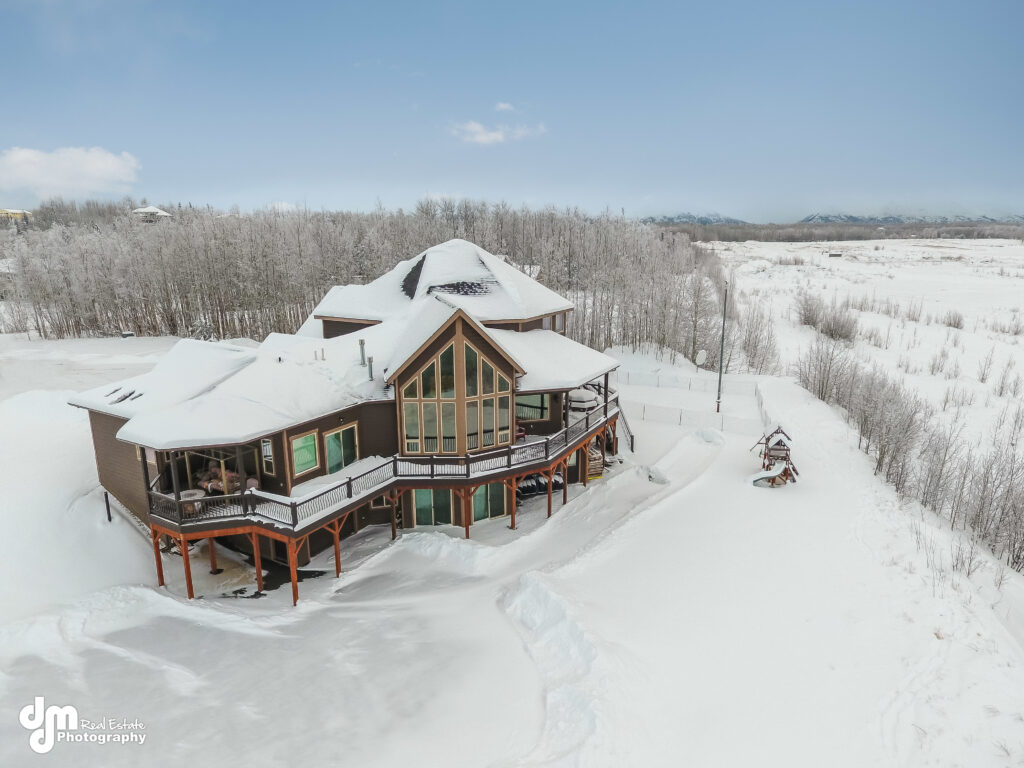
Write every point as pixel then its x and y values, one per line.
pixel 691 383
pixel 684 417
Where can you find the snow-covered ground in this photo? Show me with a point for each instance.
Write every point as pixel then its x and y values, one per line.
pixel 671 614
pixel 906 289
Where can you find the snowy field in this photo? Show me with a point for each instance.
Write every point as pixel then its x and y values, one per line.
pixel 907 295
pixel 671 614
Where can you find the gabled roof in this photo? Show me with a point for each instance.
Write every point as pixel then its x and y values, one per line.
pixel 468 277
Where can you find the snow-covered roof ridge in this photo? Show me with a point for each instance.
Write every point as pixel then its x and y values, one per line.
pixel 485 285
pixel 188 369
pixel 151 209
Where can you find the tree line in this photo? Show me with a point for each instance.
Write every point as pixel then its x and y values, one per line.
pixel 89 269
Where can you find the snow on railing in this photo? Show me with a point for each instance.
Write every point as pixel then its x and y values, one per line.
pixel 291 511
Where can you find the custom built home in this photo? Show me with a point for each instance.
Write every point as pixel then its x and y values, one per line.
pixel 434 395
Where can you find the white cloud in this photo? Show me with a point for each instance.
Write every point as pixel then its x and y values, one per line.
pixel 67 171
pixel 504 106
pixel 473 132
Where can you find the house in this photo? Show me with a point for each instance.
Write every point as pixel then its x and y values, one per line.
pixel 430 396
pixel 14 214
pixel 150 214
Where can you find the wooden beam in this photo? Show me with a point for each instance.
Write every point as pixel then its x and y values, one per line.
pixel 336 533
pixel 257 561
pixel 394 518
pixel 213 557
pixel 293 571
pixel 550 476
pixel 159 560
pixel 183 545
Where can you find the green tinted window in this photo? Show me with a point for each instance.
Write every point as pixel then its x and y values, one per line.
pixel 304 454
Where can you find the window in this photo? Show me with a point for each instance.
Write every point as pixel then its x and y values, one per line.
pixel 487 420
pixel 448 373
pixel 533 407
pixel 410 391
pixel 305 455
pixel 448 440
pixel 546 323
pixel 267 454
pixel 411 413
pixel 471 377
pixel 340 448
pixel 560 322
pixel 429 378
pixel 486 379
pixel 503 385
pixel 472 425
pixel 503 421
pixel 430 427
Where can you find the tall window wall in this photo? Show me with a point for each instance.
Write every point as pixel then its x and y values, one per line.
pixel 459 401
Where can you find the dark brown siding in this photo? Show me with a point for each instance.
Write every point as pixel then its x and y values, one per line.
pixel 334 328
pixel 532 325
pixel 276 483
pixel 377 434
pixel 118 465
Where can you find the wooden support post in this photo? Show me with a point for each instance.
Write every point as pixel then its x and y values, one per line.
pixel 565 482
pixel 394 518
pixel 159 560
pixel 175 482
pixel 606 395
pixel 293 570
pixel 551 477
pixel 467 509
pixel 213 557
pixel 604 448
pixel 240 469
pixel 512 489
pixel 336 532
pixel 183 545
pixel 257 560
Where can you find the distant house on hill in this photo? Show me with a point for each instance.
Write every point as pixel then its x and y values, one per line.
pixel 13 214
pixel 150 214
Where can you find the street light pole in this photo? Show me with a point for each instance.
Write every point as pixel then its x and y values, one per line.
pixel 721 352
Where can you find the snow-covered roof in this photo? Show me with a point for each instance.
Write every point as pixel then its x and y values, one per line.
pixel 203 394
pixel 551 361
pixel 468 277
pixel 188 369
pixel 151 209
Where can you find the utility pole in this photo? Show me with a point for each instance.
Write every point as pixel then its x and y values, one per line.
pixel 721 352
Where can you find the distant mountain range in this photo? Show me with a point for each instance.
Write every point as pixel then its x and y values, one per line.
pixel 693 218
pixel 710 219
pixel 891 219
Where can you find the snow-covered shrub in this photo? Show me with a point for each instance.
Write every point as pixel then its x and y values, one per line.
pixel 954 319
pixel 759 342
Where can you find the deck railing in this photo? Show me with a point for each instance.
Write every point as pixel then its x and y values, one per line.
pixel 298 511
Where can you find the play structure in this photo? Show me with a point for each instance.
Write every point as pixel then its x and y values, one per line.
pixel 777 467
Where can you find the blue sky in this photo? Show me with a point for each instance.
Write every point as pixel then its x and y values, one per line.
pixel 761 110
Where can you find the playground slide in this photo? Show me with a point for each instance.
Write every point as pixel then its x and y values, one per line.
pixel 764 477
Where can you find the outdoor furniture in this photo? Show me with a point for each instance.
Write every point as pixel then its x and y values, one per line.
pixel 188 498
